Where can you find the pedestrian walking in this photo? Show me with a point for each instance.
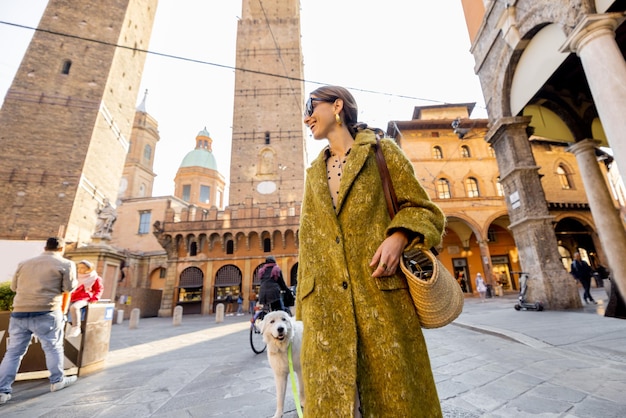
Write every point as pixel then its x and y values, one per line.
pixel 240 305
pixel 252 302
pixel 40 285
pixel 481 287
pixel 582 272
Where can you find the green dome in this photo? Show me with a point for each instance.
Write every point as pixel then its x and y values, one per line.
pixel 199 157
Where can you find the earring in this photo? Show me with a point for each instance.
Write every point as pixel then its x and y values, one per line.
pixel 338 119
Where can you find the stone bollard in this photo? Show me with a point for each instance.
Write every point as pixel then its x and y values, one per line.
pixel 219 313
pixel 134 318
pixel 178 315
pixel 120 316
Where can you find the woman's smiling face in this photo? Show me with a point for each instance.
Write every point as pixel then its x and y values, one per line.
pixel 319 116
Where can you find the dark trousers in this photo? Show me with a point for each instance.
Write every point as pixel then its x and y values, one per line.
pixel 586 282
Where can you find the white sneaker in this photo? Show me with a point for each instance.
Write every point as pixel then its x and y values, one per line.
pixel 74 332
pixel 67 380
pixel 4 398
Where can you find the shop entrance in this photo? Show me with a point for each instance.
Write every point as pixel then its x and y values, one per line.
pixel 461 273
pixel 227 282
pixel 502 272
pixel 190 290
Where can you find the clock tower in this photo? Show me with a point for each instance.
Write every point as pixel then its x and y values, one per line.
pixel 268 142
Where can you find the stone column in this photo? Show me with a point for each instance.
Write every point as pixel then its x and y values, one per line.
pixel 605 215
pixel 485 257
pixel 531 222
pixel 593 40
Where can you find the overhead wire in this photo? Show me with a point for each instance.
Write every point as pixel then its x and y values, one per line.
pixel 214 64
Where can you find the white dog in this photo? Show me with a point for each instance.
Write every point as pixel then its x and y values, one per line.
pixel 279 331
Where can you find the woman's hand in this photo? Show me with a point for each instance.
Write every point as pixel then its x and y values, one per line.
pixel 387 256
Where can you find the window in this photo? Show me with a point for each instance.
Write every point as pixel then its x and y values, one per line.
pixel 267 138
pixel 564 177
pixel 267 245
pixel 471 187
pixel 218 200
pixel 186 192
pixel 205 194
pixel 162 273
pixel 443 189
pixel 144 222
pixel 230 247
pixel 147 152
pixel 491 235
pixel 67 64
pixel 437 154
pixel 499 188
pixel 465 151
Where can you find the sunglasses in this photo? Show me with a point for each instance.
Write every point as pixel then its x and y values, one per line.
pixel 308 109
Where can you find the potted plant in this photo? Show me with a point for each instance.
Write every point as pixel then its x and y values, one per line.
pixel 6 296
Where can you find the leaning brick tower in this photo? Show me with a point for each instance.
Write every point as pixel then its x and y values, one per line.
pixel 268 142
pixel 67 117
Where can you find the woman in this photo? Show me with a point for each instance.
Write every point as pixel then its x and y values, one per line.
pixel 89 290
pixel 363 347
pixel 272 285
pixel 481 287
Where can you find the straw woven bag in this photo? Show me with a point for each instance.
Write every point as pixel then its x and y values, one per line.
pixel 437 296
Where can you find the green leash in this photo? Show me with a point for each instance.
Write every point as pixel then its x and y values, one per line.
pixel 294 387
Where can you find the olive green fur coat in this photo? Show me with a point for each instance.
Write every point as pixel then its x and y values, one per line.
pixel 359 328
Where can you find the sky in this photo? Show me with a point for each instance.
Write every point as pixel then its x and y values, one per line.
pixel 394 57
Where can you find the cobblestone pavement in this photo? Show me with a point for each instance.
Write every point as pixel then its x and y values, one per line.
pixel 492 362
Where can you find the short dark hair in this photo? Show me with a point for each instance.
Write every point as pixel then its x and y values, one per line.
pixel 54 243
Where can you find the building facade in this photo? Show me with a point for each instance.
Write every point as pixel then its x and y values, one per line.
pixel 71 102
pixel 543 69
pixel 459 170
pixel 213 252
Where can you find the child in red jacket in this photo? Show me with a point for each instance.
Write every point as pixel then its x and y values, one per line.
pixel 89 290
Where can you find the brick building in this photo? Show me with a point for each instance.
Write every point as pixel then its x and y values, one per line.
pixel 459 170
pixel 71 102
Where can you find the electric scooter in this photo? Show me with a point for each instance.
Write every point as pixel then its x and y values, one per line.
pixel 522 304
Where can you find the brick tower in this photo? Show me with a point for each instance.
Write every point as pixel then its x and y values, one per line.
pixel 267 158
pixel 67 117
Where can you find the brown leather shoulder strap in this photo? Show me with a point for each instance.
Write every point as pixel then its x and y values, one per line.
pixel 390 193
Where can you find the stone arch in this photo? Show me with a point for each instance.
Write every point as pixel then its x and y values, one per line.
pixel 278 237
pixel 241 241
pixel 225 239
pixel 265 235
pixel 214 238
pixel 290 239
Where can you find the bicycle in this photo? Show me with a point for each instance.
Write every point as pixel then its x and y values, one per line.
pixel 256 336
